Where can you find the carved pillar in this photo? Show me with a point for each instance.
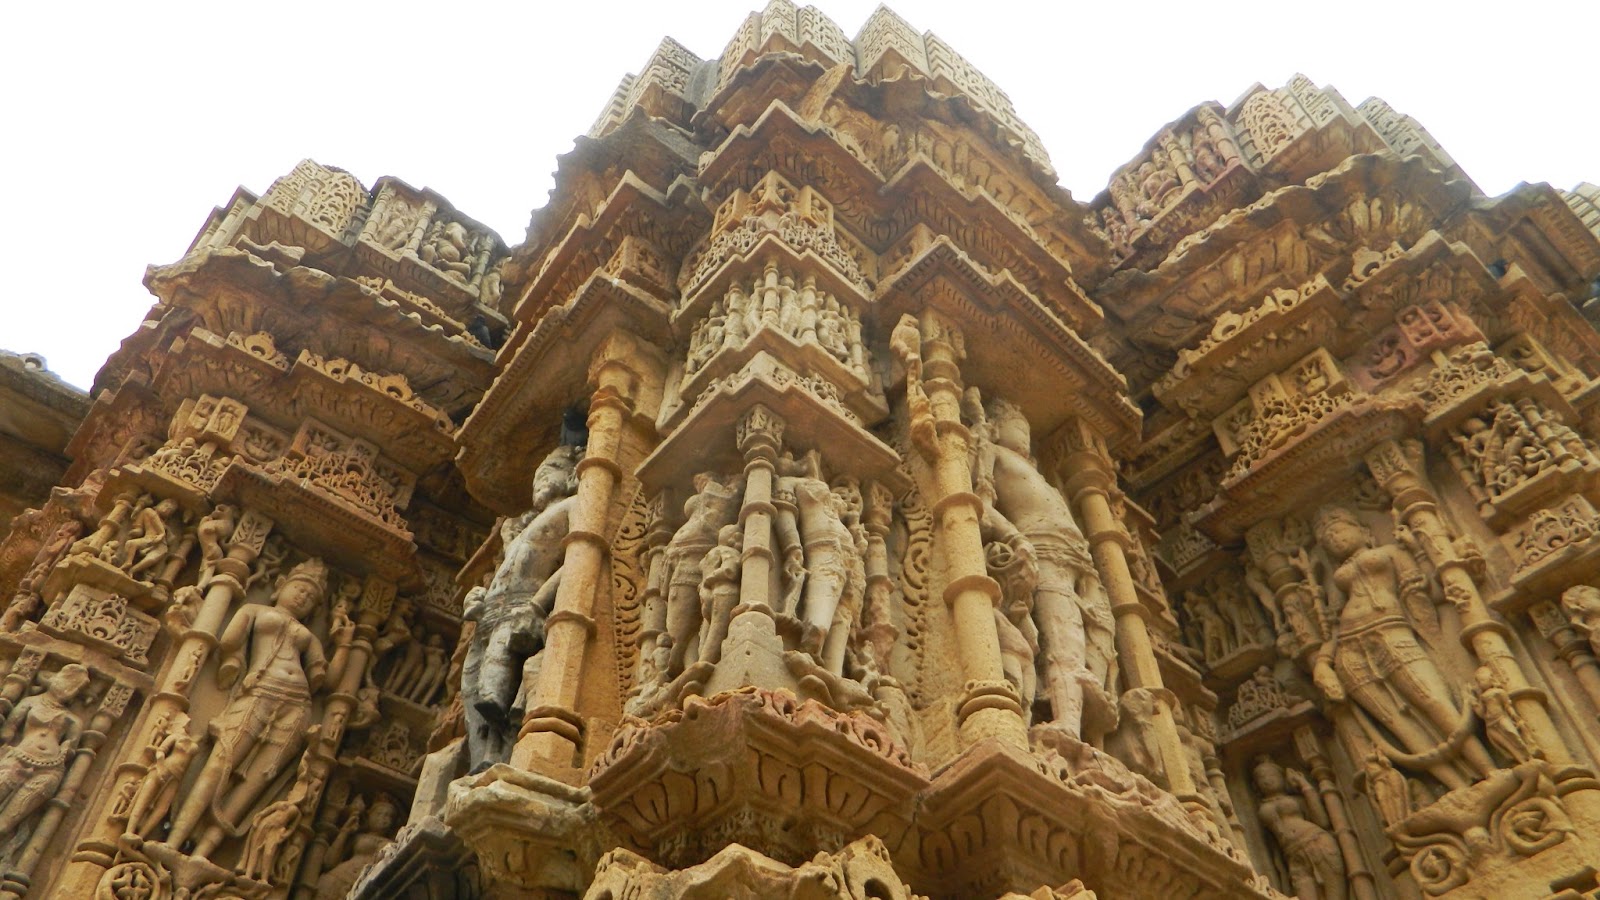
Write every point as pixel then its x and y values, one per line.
pixel 877 624
pixel 1363 885
pixel 1089 481
pixel 552 733
pixel 189 654
pixel 349 667
pixel 1570 646
pixel 990 706
pixel 760 437
pixel 1399 471
pixel 1173 150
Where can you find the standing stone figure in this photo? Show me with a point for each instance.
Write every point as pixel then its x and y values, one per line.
pixel 364 847
pixel 1373 657
pixel 719 590
pixel 510 613
pixel 261 730
pixel 38 737
pixel 1300 826
pixel 713 505
pixel 172 753
pixel 1076 631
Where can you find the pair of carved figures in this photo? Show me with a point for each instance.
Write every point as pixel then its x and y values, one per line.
pixel 420 660
pixel 138 536
pixel 817 593
pixel 1221 619
pixel 503 655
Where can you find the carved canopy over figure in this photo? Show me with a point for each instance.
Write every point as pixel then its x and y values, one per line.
pixel 510 613
pixel 261 730
pixel 38 738
pixel 1300 826
pixel 1373 657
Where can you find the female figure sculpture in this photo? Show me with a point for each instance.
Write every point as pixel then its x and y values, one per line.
pixel 1372 656
pixel 262 728
pixel 1300 826
pixel 39 736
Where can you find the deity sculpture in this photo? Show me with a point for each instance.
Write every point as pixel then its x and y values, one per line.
pixel 1299 825
pixel 1211 628
pixel 263 726
pixel 38 738
pixel 26 604
pixel 511 612
pixel 1387 788
pixel 719 590
pixel 1008 558
pixel 171 754
pixel 1372 656
pixel 676 615
pixel 1506 729
pixel 435 664
pixel 1073 617
pixel 816 541
pixel 357 850
pixel 212 533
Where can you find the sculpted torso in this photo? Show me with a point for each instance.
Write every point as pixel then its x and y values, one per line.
pixel 280 648
pixel 1026 498
pixel 1370 583
pixel 532 555
pixel 47 728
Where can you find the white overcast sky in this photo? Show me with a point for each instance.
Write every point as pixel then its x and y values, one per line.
pixel 122 125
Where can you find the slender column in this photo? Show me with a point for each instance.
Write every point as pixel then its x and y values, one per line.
pixel 760 437
pixel 346 673
pixel 1090 482
pixel 192 650
pixel 1363 885
pixel 1399 470
pixel 990 706
pixel 551 738
pixel 1570 646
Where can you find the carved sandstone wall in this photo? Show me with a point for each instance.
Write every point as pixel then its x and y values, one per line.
pixel 821 502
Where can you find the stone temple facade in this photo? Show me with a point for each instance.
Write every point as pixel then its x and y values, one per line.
pixel 821 502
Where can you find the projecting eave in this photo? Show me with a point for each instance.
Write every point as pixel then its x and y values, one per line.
pixel 1280 240
pixel 519 419
pixel 229 290
pixel 1007 332
pixel 653 151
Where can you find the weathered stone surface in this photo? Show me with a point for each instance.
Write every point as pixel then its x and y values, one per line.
pixel 874 519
